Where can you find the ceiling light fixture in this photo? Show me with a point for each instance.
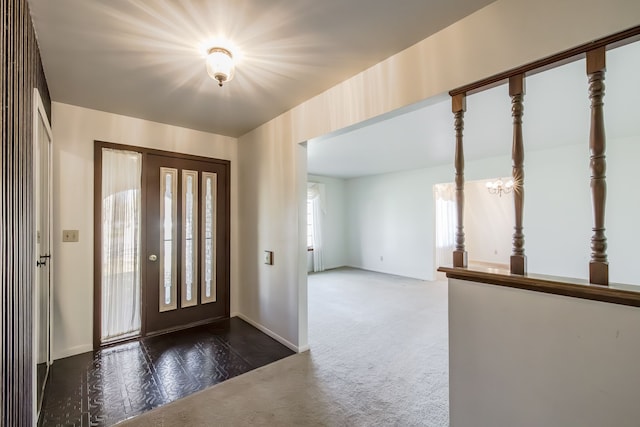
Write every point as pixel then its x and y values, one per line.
pixel 500 187
pixel 220 64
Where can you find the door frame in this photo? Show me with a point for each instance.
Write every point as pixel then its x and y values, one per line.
pixel 40 113
pixel 97 233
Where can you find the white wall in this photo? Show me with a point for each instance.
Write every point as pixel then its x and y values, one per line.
pixel 623 208
pixel 522 358
pixel 492 40
pixel 558 210
pixel 334 239
pixel 390 222
pixel 392 216
pixel 74 132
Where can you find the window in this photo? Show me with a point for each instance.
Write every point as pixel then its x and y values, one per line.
pixel 121 224
pixel 315 197
pixel 310 224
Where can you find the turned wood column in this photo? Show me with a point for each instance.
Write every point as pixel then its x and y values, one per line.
pixel 599 265
pixel 459 106
pixel 516 92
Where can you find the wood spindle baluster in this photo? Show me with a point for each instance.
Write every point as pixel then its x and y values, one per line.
pixel 459 106
pixel 599 265
pixel 516 92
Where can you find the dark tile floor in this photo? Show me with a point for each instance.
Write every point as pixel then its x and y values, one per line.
pixel 113 384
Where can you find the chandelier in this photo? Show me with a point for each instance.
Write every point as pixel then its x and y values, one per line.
pixel 499 186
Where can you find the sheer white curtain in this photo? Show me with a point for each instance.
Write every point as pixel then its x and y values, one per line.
pixel 316 194
pixel 121 222
pixel 444 195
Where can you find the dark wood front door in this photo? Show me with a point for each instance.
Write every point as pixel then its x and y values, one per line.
pixel 187 242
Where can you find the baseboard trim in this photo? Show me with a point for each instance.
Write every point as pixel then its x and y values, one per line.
pixel 304 348
pixel 391 273
pixel 272 334
pixel 72 351
pixel 79 349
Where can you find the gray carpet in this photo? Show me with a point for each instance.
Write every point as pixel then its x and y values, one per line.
pixel 378 358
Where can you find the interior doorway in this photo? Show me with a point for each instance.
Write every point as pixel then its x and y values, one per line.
pixel 162 247
pixel 488 222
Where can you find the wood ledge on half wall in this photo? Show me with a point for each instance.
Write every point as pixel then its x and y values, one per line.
pixel 577 288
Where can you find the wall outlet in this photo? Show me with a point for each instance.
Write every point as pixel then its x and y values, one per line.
pixel 70 235
pixel 268 257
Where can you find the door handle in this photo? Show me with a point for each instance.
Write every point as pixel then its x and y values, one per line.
pixel 43 260
pixel 153 257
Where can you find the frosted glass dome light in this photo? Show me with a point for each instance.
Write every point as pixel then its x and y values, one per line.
pixel 220 64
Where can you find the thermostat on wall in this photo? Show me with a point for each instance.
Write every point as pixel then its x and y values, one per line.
pixel 268 257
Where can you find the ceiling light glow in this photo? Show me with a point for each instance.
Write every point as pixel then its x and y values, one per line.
pixel 220 64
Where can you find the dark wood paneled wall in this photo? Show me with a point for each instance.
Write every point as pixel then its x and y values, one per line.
pixel 21 72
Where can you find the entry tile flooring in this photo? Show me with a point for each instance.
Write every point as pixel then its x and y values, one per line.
pixel 116 383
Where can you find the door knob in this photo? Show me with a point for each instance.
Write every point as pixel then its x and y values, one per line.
pixel 153 257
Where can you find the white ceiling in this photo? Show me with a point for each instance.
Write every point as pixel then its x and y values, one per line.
pixel 143 58
pixel 556 113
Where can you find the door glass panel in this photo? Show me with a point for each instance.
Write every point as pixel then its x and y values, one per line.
pixel 168 249
pixel 189 238
pixel 209 186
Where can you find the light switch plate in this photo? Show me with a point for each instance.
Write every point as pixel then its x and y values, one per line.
pixel 268 257
pixel 70 235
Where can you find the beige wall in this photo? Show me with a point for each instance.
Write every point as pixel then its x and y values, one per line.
pixel 505 34
pixel 74 131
